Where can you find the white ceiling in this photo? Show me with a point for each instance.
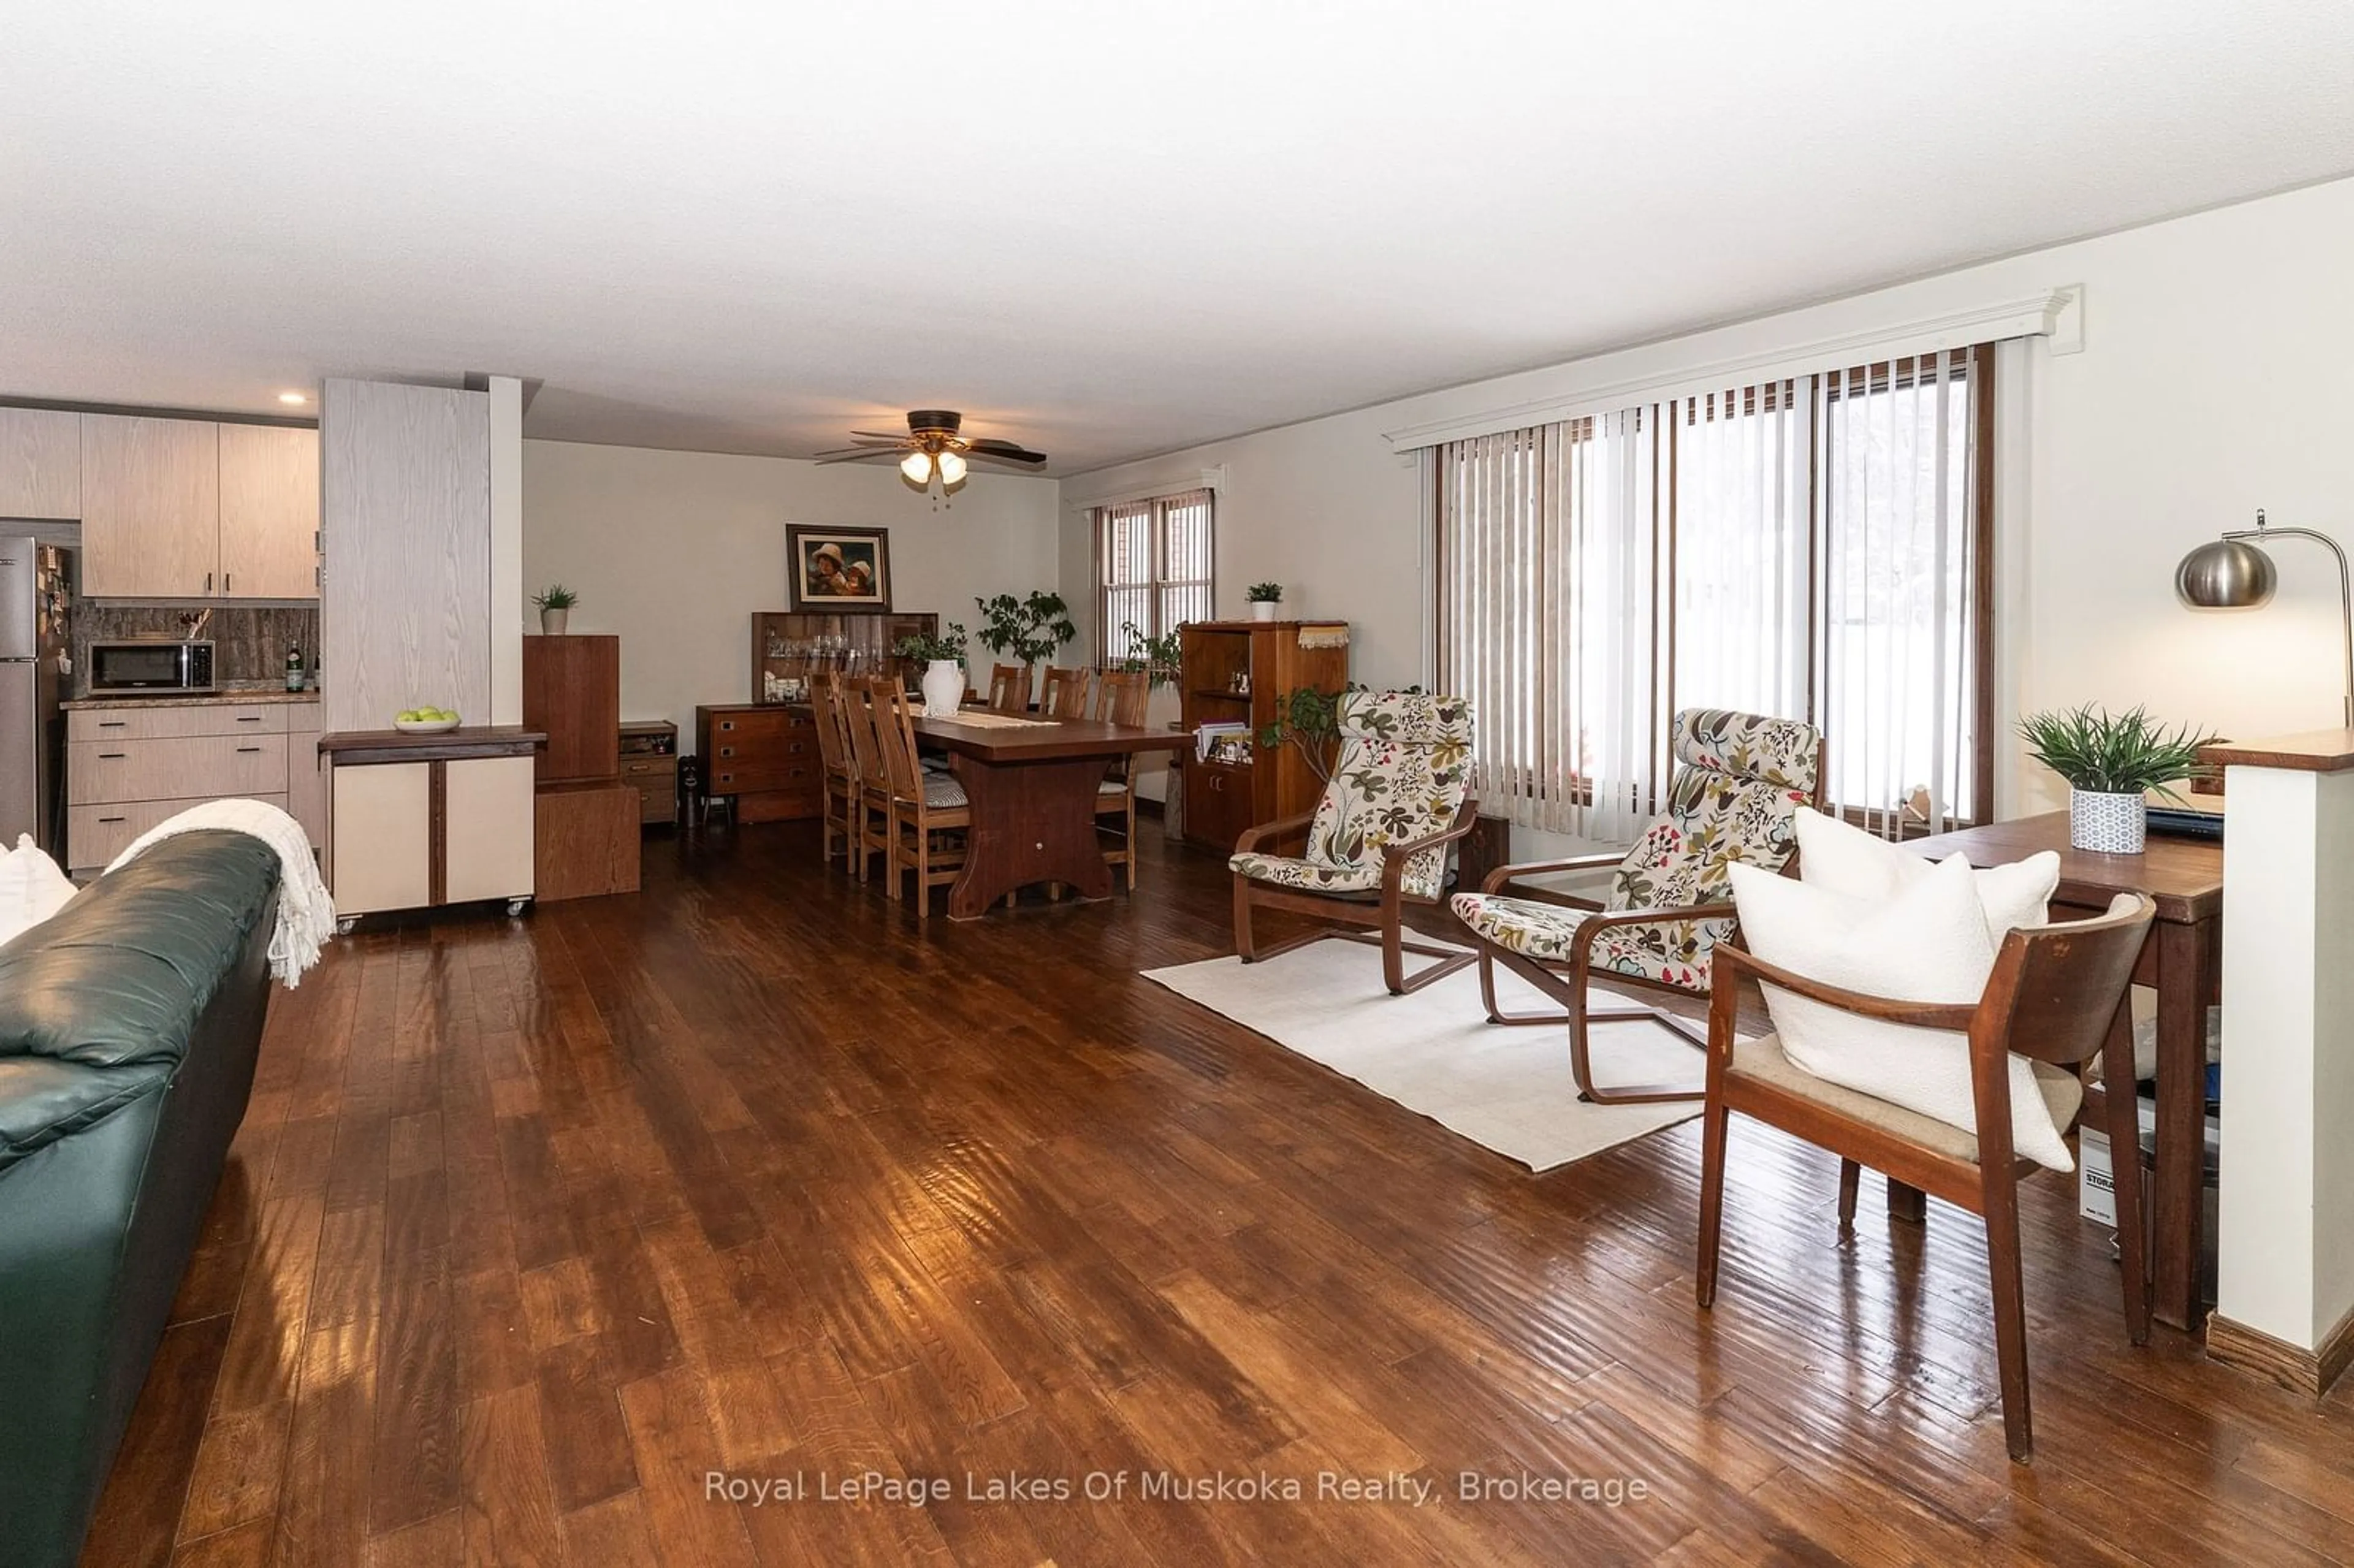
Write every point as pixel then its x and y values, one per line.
pixel 1101 229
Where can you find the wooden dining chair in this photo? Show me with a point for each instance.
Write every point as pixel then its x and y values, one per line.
pixel 2056 995
pixel 1009 688
pixel 924 807
pixel 870 808
pixel 1065 693
pixel 1122 697
pixel 840 783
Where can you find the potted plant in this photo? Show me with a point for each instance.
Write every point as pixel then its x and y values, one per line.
pixel 1025 630
pixel 556 602
pixel 943 661
pixel 1160 658
pixel 2111 761
pixel 1266 600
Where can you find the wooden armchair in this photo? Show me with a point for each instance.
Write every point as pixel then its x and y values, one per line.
pixel 841 782
pixel 2056 994
pixel 1376 842
pixel 1741 781
pixel 929 815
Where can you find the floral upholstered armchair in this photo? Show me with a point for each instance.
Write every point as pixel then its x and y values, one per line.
pixel 1377 840
pixel 1739 783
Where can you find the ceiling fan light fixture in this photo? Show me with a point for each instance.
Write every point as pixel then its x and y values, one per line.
pixel 952 469
pixel 916 468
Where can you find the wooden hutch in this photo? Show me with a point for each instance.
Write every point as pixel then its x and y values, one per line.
pixel 764 752
pixel 1241 671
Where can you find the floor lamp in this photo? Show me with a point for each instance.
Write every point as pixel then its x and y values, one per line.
pixel 2234 573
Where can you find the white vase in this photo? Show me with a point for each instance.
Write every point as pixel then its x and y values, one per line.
pixel 551 621
pixel 943 685
pixel 2106 823
pixel 1266 608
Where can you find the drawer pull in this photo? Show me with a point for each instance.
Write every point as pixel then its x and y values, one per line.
pixel 109 724
pixel 112 755
pixel 245 748
pixel 114 819
pixel 249 718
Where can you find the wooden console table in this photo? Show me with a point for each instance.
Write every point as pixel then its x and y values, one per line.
pixel 2183 960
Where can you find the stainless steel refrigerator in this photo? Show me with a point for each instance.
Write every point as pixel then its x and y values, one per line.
pixel 36 591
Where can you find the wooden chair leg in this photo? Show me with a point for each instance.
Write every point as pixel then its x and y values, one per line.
pixel 1131 838
pixel 1850 1173
pixel 2009 1310
pixel 922 873
pixel 2124 1170
pixel 1908 1204
pixel 1394 957
pixel 1714 1125
pixel 1245 947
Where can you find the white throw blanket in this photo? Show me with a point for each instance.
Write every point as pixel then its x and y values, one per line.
pixel 306 915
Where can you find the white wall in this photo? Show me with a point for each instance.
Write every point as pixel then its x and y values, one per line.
pixel 674 551
pixel 2212 382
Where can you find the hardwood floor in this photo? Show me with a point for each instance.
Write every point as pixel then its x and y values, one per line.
pixel 534 1225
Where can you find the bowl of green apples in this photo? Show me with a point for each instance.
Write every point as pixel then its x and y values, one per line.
pixel 425 721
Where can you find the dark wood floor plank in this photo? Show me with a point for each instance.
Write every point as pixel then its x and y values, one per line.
pixel 534 1225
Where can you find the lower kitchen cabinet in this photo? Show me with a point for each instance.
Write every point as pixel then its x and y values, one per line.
pixel 424 821
pixel 133 764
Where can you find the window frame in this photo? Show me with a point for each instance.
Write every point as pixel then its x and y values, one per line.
pixel 1157 585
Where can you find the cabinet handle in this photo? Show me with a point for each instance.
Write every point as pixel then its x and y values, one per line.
pixel 109 724
pixel 112 756
pixel 114 819
pixel 225 582
pixel 245 748
pixel 249 718
pixel 208 582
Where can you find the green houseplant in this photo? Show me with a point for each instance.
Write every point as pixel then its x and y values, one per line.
pixel 943 659
pixel 1025 630
pixel 1266 600
pixel 556 602
pixel 1161 658
pixel 2111 761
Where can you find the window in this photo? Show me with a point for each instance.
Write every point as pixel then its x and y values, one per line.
pixel 1155 569
pixel 1814 548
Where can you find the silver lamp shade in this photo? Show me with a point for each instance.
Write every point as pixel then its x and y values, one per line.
pixel 2226 574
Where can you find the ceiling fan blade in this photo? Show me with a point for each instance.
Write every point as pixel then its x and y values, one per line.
pixel 854 454
pixel 1003 451
pixel 893 437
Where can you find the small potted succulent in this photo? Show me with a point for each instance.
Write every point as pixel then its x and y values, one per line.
pixel 943 661
pixel 556 602
pixel 1265 601
pixel 2111 761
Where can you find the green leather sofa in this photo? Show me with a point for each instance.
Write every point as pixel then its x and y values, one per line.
pixel 128 1027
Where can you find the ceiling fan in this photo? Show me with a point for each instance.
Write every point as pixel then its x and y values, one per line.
pixel 935 449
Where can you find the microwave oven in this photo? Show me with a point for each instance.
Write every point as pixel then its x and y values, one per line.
pixel 140 667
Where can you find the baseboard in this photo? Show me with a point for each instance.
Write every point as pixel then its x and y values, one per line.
pixel 2310 1372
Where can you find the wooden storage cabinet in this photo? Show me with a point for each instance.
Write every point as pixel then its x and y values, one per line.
pixel 193 509
pixel 767 758
pixel 129 768
pixel 649 756
pixel 1275 658
pixel 572 689
pixel 40 463
pixel 422 820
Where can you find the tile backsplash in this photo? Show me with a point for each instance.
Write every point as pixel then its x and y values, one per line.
pixel 249 644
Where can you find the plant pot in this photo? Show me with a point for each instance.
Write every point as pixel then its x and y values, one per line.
pixel 2105 823
pixel 552 622
pixel 1266 608
pixel 943 685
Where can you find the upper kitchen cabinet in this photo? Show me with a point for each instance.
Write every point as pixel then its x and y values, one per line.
pixel 40 463
pixel 191 508
pixel 268 512
pixel 150 507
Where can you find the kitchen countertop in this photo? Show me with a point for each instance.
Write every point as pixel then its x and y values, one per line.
pixel 228 697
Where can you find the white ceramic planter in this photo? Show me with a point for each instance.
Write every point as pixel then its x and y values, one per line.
pixel 552 622
pixel 1266 608
pixel 943 685
pixel 2106 825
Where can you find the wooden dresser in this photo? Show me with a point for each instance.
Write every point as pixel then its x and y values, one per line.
pixel 763 754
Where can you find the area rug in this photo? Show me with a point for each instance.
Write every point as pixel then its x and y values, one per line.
pixel 1507 1089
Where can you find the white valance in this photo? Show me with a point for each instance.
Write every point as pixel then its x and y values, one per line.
pixel 2056 315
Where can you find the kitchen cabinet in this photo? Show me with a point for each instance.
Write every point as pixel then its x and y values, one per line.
pixel 268 512
pixel 130 765
pixel 386 861
pixel 40 463
pixel 150 507
pixel 192 509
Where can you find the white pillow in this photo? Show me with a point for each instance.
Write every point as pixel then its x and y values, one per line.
pixel 32 888
pixel 1928 941
pixel 1842 858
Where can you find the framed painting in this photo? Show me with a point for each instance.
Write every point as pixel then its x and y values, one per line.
pixel 839 568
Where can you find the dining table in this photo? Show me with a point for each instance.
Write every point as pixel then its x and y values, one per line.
pixel 1031 784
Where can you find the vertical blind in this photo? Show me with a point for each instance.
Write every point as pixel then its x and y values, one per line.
pixel 1154 559
pixel 1808 547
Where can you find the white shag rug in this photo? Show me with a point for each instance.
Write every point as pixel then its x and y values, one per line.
pixel 1433 1052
